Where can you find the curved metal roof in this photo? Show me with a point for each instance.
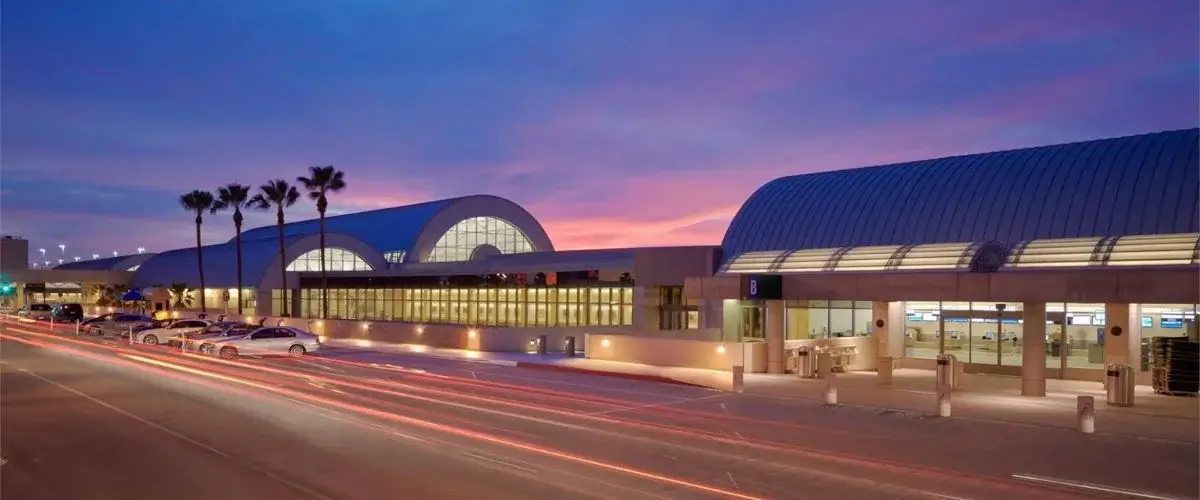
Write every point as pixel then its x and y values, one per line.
pixel 1143 184
pixel 220 265
pixel 118 263
pixel 405 228
pixel 220 261
pixel 386 229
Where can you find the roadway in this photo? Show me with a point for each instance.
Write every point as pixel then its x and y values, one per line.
pixel 363 424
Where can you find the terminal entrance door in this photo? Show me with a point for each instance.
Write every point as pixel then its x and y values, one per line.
pixel 981 338
pixel 1058 345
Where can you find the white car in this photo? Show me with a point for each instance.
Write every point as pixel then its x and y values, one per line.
pixel 162 332
pixel 263 341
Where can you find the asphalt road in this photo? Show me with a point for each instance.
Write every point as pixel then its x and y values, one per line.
pixel 326 426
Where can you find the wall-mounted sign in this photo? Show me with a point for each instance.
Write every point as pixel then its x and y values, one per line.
pixel 762 287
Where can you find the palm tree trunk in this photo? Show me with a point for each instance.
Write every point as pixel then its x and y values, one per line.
pixel 200 263
pixel 237 225
pixel 324 276
pixel 285 307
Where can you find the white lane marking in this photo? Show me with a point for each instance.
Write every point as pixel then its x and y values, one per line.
pixel 498 461
pixel 947 497
pixel 655 405
pixel 177 435
pixel 1093 487
pixel 409 436
pixel 318 365
pixel 732 480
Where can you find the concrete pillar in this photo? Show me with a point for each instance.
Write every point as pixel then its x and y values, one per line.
pixel 1033 349
pixel 775 327
pixel 889 338
pixel 1126 347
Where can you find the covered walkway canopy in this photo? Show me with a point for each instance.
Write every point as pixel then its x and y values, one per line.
pixel 977 257
pixel 1158 250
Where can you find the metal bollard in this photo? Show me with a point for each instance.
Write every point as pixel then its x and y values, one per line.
pixel 569 346
pixel 130 334
pixel 739 378
pixel 830 389
pixel 943 400
pixel 77 328
pixel 540 344
pixel 1086 408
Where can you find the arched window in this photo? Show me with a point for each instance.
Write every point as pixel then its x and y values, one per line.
pixel 459 242
pixel 336 259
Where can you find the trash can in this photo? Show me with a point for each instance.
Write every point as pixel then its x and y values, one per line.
pixel 806 363
pixel 569 346
pixel 540 344
pixel 1120 383
pixel 947 371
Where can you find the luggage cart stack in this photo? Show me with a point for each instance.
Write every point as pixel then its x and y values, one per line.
pixel 1175 366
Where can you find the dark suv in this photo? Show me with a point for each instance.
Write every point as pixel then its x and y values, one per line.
pixel 68 313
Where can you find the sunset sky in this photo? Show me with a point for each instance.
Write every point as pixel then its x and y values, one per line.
pixel 616 123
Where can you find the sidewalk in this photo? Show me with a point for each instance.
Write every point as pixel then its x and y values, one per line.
pixel 979 397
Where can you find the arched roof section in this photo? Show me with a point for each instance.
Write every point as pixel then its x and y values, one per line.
pixel 1143 184
pixel 118 263
pixel 413 229
pixel 464 208
pixel 260 261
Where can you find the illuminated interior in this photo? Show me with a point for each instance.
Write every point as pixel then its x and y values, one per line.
pixel 460 242
pixel 134 268
pixel 336 259
pixel 561 306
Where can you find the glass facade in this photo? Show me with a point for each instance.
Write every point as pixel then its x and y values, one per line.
pixel 970 330
pixel 553 306
pixel 819 319
pixel 674 313
pixel 461 242
pixel 394 256
pixel 336 259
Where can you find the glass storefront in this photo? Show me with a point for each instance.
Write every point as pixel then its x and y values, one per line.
pixel 818 319
pixel 551 306
pixel 975 332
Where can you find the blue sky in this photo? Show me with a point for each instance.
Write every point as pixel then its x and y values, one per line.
pixel 615 122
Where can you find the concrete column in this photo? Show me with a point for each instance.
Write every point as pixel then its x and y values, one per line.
pixel 889 338
pixel 1126 347
pixel 776 323
pixel 1033 349
pixel 645 308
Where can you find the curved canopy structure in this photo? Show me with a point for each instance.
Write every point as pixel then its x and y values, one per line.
pixel 260 261
pixel 1156 250
pixel 438 231
pixel 1137 185
pixel 974 257
pixel 118 263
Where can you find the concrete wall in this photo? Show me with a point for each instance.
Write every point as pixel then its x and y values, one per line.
pixel 669 266
pixel 14 254
pixel 635 348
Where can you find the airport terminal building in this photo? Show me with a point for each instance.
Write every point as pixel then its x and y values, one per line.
pixel 1044 262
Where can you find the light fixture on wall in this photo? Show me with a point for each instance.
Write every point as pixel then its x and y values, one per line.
pixel 604 342
pixel 365 325
pixel 318 323
pixel 471 333
pixel 420 329
pixel 721 349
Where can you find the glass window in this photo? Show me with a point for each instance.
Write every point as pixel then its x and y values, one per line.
pixel 336 259
pixel 471 238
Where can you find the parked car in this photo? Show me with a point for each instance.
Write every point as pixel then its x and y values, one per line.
pixel 116 324
pixel 213 331
pixel 68 313
pixel 161 331
pixel 41 312
pixel 263 341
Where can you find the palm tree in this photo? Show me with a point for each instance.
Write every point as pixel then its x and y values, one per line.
pixel 280 195
pixel 234 196
pixel 198 202
pixel 320 182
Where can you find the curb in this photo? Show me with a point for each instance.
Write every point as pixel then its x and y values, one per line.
pixel 587 371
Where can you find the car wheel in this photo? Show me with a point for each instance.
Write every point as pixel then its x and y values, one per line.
pixel 228 352
pixel 204 349
pixel 97 332
pixel 297 350
pixel 150 339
